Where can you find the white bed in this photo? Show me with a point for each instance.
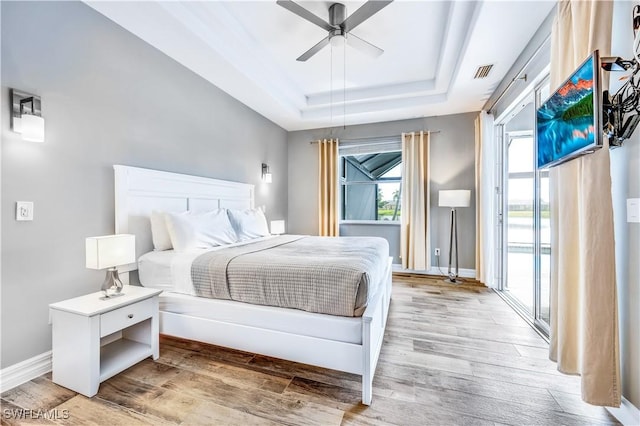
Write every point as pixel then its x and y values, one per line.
pixel 350 344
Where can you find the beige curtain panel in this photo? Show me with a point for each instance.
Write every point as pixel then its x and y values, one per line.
pixel 480 237
pixel 328 220
pixel 414 225
pixel 584 318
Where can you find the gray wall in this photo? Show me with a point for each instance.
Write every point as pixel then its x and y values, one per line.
pixel 625 176
pixel 107 98
pixel 452 164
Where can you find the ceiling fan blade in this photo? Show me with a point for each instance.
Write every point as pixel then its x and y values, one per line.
pixel 305 14
pixel 363 46
pixel 315 49
pixel 366 11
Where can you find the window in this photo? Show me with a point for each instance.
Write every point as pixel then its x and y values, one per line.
pixel 371 186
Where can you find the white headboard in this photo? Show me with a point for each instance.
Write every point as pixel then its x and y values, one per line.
pixel 139 191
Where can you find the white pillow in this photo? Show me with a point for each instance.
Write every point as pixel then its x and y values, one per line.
pixel 249 223
pixel 200 230
pixel 159 232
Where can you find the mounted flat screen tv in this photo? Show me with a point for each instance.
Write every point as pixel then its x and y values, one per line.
pixel 568 123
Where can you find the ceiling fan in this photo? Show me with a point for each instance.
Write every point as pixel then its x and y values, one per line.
pixel 339 24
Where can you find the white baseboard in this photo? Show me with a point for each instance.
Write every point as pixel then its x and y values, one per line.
pixel 628 414
pixel 22 372
pixel 463 273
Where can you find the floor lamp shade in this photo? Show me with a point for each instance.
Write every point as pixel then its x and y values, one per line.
pixel 454 198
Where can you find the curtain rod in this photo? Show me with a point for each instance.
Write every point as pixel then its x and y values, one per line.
pixel 518 76
pixel 383 137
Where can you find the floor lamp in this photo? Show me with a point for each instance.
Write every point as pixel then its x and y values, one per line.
pixel 453 199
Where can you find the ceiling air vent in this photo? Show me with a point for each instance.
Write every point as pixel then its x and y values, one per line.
pixel 483 71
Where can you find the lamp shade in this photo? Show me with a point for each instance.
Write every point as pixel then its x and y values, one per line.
pixel 32 128
pixel 110 250
pixel 277 227
pixel 454 198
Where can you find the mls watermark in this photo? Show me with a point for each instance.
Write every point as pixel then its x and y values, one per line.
pixel 22 414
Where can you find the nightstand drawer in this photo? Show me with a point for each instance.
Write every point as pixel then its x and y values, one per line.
pixel 116 320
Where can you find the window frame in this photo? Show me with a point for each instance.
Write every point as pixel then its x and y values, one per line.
pixel 343 184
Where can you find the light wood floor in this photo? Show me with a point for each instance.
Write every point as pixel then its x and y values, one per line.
pixel 452 355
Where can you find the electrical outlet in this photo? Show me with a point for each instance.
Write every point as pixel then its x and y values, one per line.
pixel 437 252
pixel 24 210
pixel 633 210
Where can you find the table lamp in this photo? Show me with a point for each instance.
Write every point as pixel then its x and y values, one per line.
pixel 453 199
pixel 277 227
pixel 108 252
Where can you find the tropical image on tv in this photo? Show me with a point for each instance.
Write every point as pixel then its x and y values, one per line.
pixel 566 122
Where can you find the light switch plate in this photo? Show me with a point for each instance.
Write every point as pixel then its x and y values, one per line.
pixel 633 210
pixel 24 210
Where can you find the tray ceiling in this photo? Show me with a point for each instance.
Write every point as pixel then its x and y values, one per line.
pixel 249 49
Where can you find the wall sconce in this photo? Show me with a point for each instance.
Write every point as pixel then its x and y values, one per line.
pixel 26 116
pixel 266 174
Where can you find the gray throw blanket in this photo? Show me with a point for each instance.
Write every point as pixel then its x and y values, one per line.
pixel 328 275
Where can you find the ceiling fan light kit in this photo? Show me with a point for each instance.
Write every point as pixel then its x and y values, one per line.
pixel 339 25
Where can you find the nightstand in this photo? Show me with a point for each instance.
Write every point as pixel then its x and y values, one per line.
pixel 96 339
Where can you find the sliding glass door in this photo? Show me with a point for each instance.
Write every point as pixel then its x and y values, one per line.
pixel 519 229
pixel 525 214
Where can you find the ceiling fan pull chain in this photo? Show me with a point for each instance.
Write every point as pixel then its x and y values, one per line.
pixel 344 85
pixel 331 91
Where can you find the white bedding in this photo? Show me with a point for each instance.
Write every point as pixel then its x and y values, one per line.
pixel 171 271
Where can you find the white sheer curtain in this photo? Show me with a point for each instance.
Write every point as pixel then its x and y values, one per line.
pixel 414 225
pixel 584 318
pixel 485 199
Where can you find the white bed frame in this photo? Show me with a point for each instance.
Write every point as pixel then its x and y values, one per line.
pixel 139 191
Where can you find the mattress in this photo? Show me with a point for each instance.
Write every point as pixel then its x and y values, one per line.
pixel 293 321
